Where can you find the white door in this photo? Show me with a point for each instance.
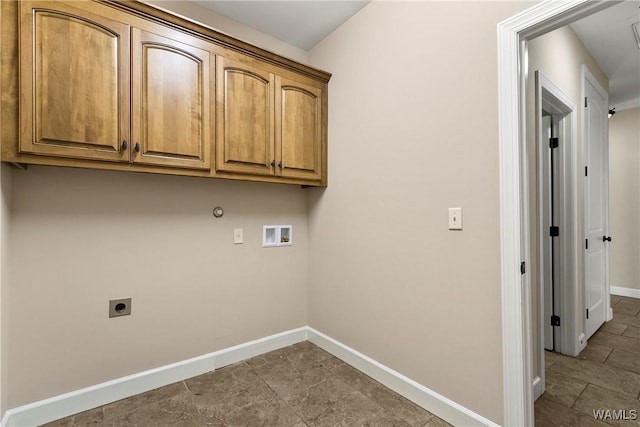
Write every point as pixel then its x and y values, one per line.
pixel 596 202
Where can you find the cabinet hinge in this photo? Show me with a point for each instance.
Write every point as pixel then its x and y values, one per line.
pixel 554 142
pixel 587 313
pixel 554 231
pixel 586 243
pixel 586 171
pixel 585 102
pixel 523 268
pixel 555 320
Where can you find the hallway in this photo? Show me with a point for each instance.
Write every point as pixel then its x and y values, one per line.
pixel 604 376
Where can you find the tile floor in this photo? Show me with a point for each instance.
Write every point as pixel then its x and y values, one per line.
pixel 297 386
pixel 606 375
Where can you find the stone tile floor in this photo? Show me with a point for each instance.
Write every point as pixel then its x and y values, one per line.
pixel 606 375
pixel 297 386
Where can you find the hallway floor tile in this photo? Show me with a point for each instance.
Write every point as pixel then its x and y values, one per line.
pixel 604 376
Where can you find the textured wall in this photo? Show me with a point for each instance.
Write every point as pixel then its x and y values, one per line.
pixel 624 198
pixel 413 129
pixel 80 237
pixel 5 223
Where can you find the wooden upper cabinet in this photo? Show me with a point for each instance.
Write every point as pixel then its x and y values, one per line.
pixel 298 129
pixel 74 83
pixel 244 118
pixel 171 123
pixel 122 85
pixel 267 124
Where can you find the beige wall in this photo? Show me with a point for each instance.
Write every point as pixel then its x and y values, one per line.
pixel 233 28
pixel 559 55
pixel 624 198
pixel 80 237
pixel 5 201
pixel 413 131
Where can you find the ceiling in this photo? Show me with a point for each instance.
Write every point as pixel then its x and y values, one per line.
pixel 607 35
pixel 301 23
pixel 609 38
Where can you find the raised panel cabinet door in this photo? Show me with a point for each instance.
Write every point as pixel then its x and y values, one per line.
pixel 298 130
pixel 244 118
pixel 170 101
pixel 74 84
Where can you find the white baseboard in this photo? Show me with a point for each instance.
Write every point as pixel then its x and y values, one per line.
pixel 582 343
pixel 433 402
pixel 537 388
pixel 625 292
pixel 84 399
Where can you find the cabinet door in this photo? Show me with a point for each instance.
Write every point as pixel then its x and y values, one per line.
pixel 74 82
pixel 298 129
pixel 244 123
pixel 170 101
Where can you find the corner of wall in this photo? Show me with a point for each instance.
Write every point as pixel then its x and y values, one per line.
pixel 5 203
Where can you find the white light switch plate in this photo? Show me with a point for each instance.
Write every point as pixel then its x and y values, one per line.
pixel 455 218
pixel 237 236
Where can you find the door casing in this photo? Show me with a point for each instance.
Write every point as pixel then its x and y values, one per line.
pixel 552 99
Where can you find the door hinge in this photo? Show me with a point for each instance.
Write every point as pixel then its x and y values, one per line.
pixel 555 320
pixel 523 268
pixel 585 102
pixel 586 243
pixel 554 231
pixel 586 171
pixel 554 142
pixel 587 313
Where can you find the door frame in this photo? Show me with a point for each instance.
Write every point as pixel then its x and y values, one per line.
pixel 552 99
pixel 587 75
pixel 513 35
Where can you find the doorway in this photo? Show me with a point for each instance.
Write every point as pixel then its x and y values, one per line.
pixel 548 142
pixel 514 210
pixel 555 121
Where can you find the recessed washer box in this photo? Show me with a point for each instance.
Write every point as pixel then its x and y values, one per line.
pixel 286 235
pixel 277 235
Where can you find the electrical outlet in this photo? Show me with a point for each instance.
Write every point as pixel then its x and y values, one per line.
pixel 237 236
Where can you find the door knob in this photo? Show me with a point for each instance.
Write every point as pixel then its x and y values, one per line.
pixel 137 147
pixel 606 238
pixel 124 144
